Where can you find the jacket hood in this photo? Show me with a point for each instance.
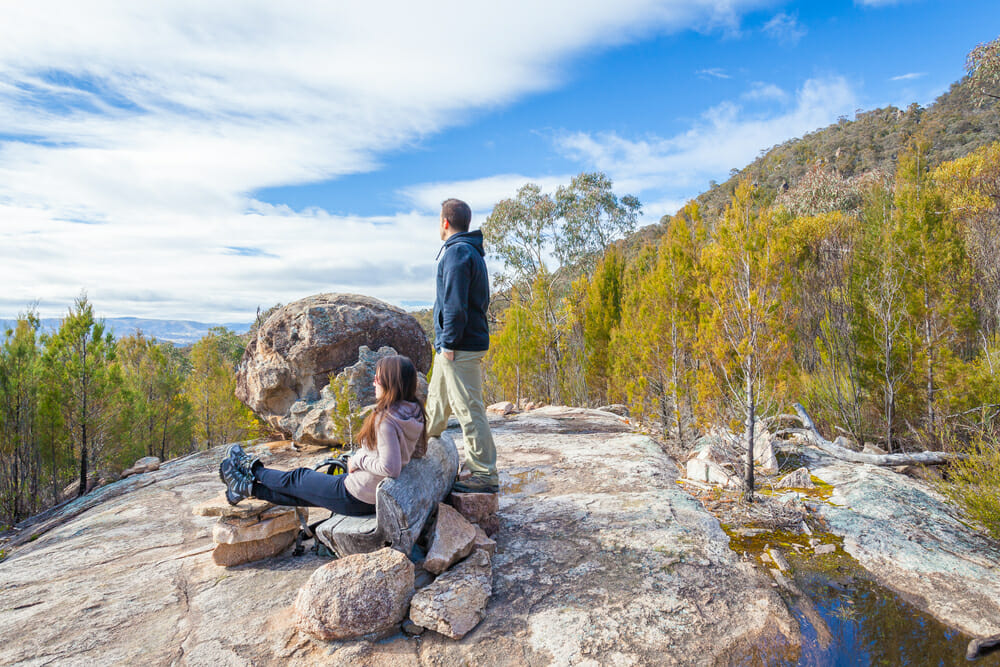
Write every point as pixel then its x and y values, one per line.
pixel 473 238
pixel 406 415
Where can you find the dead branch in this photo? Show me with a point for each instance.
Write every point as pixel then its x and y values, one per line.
pixel 836 451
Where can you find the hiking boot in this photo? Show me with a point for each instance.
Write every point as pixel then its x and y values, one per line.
pixel 238 485
pixel 241 460
pixel 476 484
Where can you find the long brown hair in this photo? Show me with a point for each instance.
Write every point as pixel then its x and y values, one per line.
pixel 398 378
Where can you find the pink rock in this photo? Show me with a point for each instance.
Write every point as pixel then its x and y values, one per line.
pixel 475 506
pixel 356 595
pixel 452 541
pixel 456 602
pixel 245 552
pixel 483 542
pixel 491 525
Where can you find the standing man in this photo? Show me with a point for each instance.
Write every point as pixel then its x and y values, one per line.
pixel 461 338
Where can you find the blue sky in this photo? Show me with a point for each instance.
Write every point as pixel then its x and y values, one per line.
pixel 188 161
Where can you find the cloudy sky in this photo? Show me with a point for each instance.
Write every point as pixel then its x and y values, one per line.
pixel 193 160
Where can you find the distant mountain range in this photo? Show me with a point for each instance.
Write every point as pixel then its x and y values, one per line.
pixel 179 332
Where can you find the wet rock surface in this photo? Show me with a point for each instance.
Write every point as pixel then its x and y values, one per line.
pixel 594 564
pixel 914 543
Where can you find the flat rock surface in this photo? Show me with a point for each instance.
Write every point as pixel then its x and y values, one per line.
pixel 601 559
pixel 903 532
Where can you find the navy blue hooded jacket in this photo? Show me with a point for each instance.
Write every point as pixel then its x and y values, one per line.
pixel 463 295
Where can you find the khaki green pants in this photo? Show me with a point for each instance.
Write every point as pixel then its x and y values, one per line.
pixel 457 387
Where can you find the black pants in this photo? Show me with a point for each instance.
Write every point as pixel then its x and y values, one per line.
pixel 306 487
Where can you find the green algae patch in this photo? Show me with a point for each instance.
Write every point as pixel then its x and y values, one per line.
pixel 791 543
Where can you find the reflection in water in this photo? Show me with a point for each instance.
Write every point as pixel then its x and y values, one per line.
pixel 870 624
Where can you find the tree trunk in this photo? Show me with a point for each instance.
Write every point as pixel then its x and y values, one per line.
pixel 751 417
pixel 836 451
pixel 83 460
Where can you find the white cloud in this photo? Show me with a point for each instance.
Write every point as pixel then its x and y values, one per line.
pixel 727 136
pixel 784 28
pixel 713 72
pixel 909 76
pixel 765 91
pixel 156 119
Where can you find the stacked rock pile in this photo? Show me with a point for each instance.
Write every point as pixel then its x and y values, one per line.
pixel 447 591
pixel 253 530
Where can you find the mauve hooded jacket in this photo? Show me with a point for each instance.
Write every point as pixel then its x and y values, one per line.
pixel 398 433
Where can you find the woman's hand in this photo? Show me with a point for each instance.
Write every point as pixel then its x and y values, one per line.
pixel 351 465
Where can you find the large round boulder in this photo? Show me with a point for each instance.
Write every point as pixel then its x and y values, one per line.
pixel 360 594
pixel 288 363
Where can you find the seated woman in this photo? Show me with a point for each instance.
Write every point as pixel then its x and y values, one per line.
pixel 394 432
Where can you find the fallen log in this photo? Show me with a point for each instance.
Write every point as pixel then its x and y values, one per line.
pixel 836 451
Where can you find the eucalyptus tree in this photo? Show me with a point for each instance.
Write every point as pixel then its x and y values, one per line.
pixel 543 240
pixel 983 66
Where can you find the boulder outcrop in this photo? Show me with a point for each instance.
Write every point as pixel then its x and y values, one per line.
pixel 593 565
pixel 452 539
pixel 456 602
pixel 290 360
pixel 904 533
pixel 356 595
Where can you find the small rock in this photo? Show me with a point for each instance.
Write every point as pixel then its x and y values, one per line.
pixel 145 464
pixel 218 506
pixel 491 525
pixel 797 479
pixel 452 540
pixel 502 408
pixel 475 506
pixel 619 409
pixel 456 602
pixel 229 555
pixel 412 629
pixel 869 448
pixel 421 577
pixel 779 560
pixel 356 595
pixel 483 542
pixel 703 470
pixel 225 532
pixel 821 549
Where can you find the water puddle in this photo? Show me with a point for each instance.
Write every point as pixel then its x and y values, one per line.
pixel 529 481
pixel 846 618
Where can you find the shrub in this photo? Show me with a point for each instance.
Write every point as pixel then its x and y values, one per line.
pixel 974 484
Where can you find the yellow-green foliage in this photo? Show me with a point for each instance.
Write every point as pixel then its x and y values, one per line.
pixel 345 415
pixel 974 484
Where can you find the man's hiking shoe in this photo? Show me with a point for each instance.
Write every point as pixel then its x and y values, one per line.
pixel 241 460
pixel 238 485
pixel 475 484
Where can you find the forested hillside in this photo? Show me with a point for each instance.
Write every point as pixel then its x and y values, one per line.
pixel 853 270
pixel 78 405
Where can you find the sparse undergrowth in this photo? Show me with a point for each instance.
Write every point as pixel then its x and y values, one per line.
pixel 974 485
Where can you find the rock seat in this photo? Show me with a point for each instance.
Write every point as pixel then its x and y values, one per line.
pixel 402 505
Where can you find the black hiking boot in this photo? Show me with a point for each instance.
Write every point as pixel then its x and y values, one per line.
pixel 238 485
pixel 241 460
pixel 476 484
